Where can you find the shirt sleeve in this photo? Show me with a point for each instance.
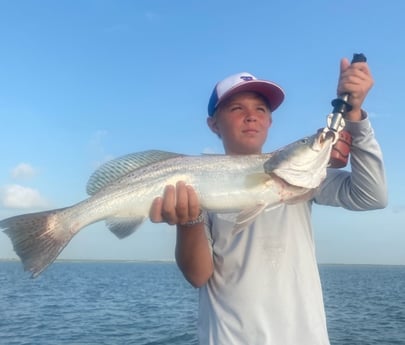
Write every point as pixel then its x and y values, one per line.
pixel 364 187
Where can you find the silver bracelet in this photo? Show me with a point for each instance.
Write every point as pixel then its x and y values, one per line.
pixel 198 220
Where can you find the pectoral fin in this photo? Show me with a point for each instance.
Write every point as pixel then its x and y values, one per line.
pixel 246 217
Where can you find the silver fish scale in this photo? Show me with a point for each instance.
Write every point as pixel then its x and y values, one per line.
pixel 206 165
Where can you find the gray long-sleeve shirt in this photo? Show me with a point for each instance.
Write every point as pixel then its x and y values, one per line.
pixel 265 288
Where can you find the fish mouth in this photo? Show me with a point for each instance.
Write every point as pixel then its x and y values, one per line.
pixel 325 136
pixel 323 140
pixel 328 135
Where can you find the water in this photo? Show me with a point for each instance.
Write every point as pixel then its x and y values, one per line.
pixel 365 305
pixel 97 303
pixel 151 304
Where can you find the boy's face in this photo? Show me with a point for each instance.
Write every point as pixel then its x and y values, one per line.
pixel 242 122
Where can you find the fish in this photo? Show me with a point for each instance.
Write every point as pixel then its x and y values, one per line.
pixel 122 190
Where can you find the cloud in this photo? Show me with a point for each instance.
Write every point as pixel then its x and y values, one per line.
pixel 96 148
pixel 209 150
pixel 398 209
pixel 152 16
pixel 22 171
pixel 97 139
pixel 116 28
pixel 374 115
pixel 19 197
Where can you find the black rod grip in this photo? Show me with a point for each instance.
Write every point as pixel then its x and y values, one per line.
pixel 341 150
pixel 341 104
pixel 359 58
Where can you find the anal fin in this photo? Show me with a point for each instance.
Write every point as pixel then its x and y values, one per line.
pixel 123 227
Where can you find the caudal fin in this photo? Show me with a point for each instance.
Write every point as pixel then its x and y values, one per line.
pixel 38 238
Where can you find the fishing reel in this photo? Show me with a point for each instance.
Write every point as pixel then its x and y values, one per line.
pixel 336 123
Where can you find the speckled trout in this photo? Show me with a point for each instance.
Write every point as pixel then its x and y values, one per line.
pixel 122 190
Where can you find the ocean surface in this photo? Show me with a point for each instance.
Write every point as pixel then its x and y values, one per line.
pixel 149 303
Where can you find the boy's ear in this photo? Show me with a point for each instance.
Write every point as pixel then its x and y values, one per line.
pixel 212 124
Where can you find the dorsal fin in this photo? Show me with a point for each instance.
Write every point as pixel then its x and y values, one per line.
pixel 119 167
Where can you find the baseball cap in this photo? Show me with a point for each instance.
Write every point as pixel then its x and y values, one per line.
pixel 245 82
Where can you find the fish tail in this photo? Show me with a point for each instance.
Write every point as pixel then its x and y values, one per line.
pixel 38 238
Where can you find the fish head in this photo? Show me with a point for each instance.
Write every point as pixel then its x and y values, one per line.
pixel 302 163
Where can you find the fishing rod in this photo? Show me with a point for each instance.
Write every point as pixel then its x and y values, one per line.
pixel 336 123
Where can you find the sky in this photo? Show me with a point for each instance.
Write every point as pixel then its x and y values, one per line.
pixel 82 82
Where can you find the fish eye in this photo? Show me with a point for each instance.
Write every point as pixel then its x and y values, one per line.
pixel 304 140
